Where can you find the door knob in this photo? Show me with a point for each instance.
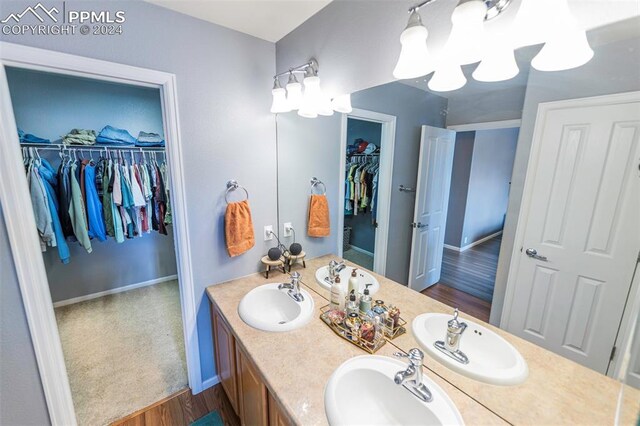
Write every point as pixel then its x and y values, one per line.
pixel 533 253
pixel 419 225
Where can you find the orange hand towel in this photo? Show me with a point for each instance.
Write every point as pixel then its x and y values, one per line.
pixel 318 225
pixel 238 228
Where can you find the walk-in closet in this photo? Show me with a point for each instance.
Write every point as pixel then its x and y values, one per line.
pixel 94 156
pixel 361 191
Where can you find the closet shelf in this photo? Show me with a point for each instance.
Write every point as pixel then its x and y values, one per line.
pixel 60 146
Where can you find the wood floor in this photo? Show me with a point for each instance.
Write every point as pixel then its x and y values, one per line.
pixel 467 303
pixel 473 270
pixel 183 408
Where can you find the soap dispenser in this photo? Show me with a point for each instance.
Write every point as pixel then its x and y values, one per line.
pixel 353 282
pixel 352 305
pixel 365 300
pixel 337 294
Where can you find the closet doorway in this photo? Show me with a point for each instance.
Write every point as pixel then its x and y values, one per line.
pixel 367 144
pixel 112 346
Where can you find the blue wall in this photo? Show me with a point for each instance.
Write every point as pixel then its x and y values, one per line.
pixel 50 105
pixel 461 170
pixel 363 234
pixel 223 82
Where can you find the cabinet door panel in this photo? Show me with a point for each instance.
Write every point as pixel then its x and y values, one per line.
pixel 225 358
pixel 276 416
pixel 253 393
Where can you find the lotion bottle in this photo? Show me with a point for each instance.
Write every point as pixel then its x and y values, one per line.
pixel 352 305
pixel 337 295
pixel 353 282
pixel 365 300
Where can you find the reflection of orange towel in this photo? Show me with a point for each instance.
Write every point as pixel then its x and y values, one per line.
pixel 319 216
pixel 238 228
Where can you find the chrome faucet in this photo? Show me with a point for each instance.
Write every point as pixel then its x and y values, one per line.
pixel 293 287
pixel 451 345
pixel 334 270
pixel 411 378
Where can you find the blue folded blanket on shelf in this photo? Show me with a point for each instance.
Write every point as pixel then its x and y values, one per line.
pixel 113 136
pixel 149 139
pixel 29 138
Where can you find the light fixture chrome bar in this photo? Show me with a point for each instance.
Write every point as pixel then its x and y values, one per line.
pixel 419 5
pixel 313 64
pixel 494 7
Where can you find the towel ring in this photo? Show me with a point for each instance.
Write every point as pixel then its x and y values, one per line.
pixel 315 182
pixel 233 185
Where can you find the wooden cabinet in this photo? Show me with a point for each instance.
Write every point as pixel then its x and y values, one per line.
pixel 252 393
pixel 225 356
pixel 241 380
pixel 276 416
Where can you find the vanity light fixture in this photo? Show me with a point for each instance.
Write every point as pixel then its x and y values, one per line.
pixel 279 98
pixel 312 101
pixel 312 98
pixel 499 62
pixel 448 77
pixel 537 21
pixel 294 92
pixel 466 42
pixel 342 103
pixel 414 60
pixel 567 46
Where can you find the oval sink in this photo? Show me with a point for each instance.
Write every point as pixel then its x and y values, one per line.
pixel 270 309
pixel 362 392
pixel 364 278
pixel 491 358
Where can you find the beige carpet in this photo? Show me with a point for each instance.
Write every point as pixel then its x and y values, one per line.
pixel 359 258
pixel 123 352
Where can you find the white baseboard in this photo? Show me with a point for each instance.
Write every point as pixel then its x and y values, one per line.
pixel 362 250
pixel 114 291
pixel 480 241
pixel 447 246
pixel 210 382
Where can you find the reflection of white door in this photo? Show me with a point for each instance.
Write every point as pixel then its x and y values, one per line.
pixel 432 200
pixel 579 229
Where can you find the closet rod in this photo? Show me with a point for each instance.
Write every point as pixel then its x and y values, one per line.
pixel 59 146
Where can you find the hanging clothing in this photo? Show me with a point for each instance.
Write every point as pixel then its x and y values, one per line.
pixel 77 211
pixel 48 175
pixel 41 210
pixel 94 206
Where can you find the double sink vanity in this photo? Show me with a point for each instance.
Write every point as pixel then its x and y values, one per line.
pixel 280 364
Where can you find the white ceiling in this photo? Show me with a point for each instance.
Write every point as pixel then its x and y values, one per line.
pixel 266 19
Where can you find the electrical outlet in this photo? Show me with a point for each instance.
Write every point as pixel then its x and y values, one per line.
pixel 465 240
pixel 288 229
pixel 268 235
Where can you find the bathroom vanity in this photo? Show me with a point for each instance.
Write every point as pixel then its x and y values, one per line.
pixel 280 378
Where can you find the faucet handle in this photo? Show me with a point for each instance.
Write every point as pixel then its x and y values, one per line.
pixel 415 356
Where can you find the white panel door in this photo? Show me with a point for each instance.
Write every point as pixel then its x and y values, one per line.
pixel 432 200
pixel 581 229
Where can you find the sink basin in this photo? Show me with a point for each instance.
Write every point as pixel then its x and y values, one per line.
pixel 491 358
pixel 364 278
pixel 362 392
pixel 270 309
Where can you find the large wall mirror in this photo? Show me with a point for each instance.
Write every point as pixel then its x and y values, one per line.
pixel 515 201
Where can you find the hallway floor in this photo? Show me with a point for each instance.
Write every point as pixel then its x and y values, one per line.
pixel 472 271
pixel 123 352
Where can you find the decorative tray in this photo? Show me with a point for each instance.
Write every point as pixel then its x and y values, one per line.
pixel 376 340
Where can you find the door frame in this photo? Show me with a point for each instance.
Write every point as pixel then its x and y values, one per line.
pixel 536 144
pixel 20 221
pixel 387 149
